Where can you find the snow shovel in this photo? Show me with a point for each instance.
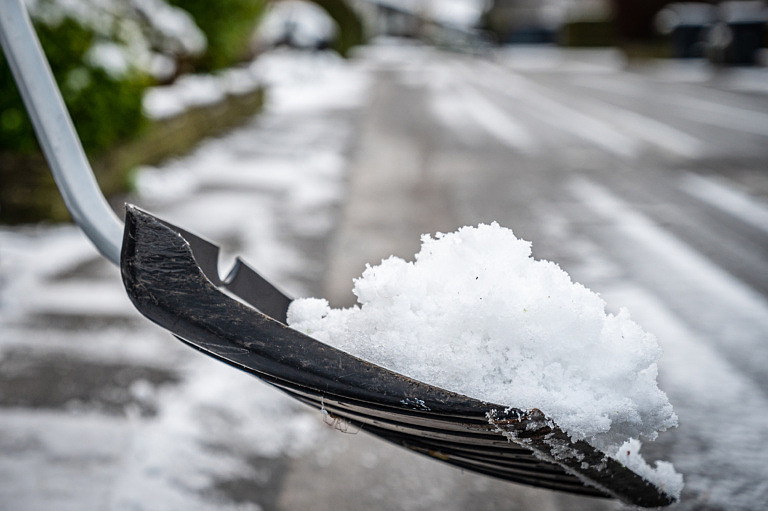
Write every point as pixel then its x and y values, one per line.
pixel 171 277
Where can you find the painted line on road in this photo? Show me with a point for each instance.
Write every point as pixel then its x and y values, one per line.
pixel 703 385
pixel 653 132
pixel 726 198
pixel 687 358
pixel 497 123
pixel 581 125
pixel 557 114
pixel 708 276
pixel 754 80
pixel 602 121
pixel 446 107
pixel 718 114
pixel 704 111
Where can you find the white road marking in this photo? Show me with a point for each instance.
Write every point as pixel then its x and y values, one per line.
pixel 702 386
pixel 718 114
pixel 496 122
pixel 726 198
pixel 445 106
pixel 712 111
pixel 649 130
pixel 464 110
pixel 653 132
pixel 708 277
pixel 608 126
pixel 564 117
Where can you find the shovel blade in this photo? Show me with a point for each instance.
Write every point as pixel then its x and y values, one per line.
pixel 171 277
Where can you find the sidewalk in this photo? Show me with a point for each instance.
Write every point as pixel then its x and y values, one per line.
pixel 100 409
pixel 350 163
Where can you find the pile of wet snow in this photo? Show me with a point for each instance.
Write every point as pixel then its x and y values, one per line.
pixel 476 314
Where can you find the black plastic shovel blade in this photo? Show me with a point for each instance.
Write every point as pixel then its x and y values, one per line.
pixel 170 286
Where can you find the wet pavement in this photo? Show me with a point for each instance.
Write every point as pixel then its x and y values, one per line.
pixel 646 183
pixel 99 409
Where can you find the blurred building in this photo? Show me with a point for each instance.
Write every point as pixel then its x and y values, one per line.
pixel 532 21
pixel 518 20
pixel 398 18
pixel 443 22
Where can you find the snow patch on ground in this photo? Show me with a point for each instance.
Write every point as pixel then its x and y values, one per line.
pixel 334 84
pixel 187 92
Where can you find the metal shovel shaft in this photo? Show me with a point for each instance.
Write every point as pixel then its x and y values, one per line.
pixel 56 133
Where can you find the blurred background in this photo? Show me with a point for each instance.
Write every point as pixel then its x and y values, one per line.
pixel 626 139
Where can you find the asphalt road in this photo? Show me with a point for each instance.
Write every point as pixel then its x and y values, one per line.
pixel 646 182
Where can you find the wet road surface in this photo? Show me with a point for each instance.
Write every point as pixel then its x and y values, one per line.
pixel 647 183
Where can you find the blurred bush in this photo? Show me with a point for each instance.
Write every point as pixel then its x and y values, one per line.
pixel 103 53
pixel 105 107
pixel 104 97
pixel 228 25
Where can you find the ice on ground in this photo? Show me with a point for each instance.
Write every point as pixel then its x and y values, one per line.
pixel 476 314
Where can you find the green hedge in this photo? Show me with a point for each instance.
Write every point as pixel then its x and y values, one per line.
pixel 228 25
pixel 104 109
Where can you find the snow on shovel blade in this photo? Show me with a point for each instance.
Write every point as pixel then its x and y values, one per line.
pixel 171 276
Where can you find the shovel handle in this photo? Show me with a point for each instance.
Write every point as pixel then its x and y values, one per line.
pixel 56 133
